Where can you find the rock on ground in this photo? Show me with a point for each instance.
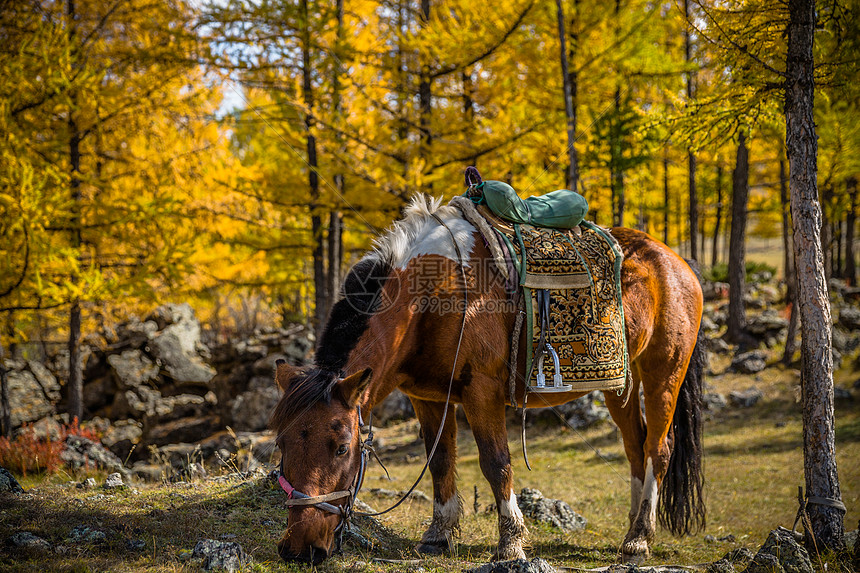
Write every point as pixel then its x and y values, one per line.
pixel 781 552
pixel 745 398
pixel 46 380
pixel 178 346
pixel 849 317
pixel 749 362
pixel 581 413
pixel 536 565
pixel 395 406
pixel 553 511
pixel 27 401
pixel 131 368
pixel 27 540
pixel 251 410
pixel 84 534
pixel 114 481
pixel 714 401
pixel 9 483
pixel 79 452
pixel 220 554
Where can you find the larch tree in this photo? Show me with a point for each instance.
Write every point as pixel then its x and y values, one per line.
pixel 99 121
pixel 824 506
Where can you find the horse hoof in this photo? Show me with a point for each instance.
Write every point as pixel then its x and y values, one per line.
pixel 433 548
pixel 508 555
pixel 637 559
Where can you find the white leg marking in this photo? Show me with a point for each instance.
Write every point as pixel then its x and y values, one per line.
pixel 447 514
pixel 445 524
pixel 649 492
pixel 510 509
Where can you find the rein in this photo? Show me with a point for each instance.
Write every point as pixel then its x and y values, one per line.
pixel 297 498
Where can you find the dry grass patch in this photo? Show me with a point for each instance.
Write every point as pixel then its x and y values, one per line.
pixel 753 465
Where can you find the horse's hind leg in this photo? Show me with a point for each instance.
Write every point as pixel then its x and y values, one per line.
pixel 632 426
pixel 661 390
pixel 484 405
pixel 446 503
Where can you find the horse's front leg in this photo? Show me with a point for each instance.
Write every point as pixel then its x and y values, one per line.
pixel 484 406
pixel 447 505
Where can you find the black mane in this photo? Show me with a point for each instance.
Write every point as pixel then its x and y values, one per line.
pixel 310 387
pixel 347 321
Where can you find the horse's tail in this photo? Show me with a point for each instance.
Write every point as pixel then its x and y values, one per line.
pixel 681 507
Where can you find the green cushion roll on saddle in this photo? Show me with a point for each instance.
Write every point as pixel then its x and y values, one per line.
pixel 560 209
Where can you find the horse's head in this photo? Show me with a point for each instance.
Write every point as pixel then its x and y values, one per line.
pixel 317 429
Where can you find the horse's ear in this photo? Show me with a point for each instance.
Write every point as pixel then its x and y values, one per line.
pixel 352 387
pixel 284 372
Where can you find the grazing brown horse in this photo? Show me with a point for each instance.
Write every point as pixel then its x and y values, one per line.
pixel 397 325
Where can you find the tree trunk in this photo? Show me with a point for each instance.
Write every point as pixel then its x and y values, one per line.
pixel 76 386
pixel 335 247
pixel 317 234
pixel 837 268
pixel 5 411
pixel 819 449
pixel 568 100
pixel 691 157
pixel 666 196
pixel 694 207
pixel 719 216
pixel 335 220
pixel 573 80
pixel 425 100
pixel 737 249
pixel 827 230
pixel 617 172
pixel 850 224
pixel 788 266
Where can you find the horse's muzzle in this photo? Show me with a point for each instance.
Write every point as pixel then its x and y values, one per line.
pixel 311 555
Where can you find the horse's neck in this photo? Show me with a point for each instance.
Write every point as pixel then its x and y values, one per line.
pixel 381 348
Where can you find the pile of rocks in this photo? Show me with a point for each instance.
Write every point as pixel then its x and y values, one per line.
pixel 155 387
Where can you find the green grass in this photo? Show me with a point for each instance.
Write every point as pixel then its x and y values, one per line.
pixel 753 465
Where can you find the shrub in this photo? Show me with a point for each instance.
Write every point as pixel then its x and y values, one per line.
pixel 29 452
pixel 755 272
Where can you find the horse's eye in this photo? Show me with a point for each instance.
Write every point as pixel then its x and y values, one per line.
pixel 342 450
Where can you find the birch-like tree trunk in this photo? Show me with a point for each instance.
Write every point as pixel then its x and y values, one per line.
pixel 819 448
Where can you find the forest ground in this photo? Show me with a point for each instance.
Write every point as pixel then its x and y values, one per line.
pixel 753 465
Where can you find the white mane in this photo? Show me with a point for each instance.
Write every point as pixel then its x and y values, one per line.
pixel 419 233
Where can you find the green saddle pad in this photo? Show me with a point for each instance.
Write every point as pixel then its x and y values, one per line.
pixel 562 209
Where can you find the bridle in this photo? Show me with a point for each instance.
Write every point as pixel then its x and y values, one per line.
pixel 296 498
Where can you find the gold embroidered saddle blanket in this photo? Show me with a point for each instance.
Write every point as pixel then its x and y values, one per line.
pixel 575 274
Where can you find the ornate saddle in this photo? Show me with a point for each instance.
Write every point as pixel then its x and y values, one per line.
pixel 568 281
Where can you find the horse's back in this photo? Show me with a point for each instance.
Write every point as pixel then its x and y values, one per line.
pixel 662 296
